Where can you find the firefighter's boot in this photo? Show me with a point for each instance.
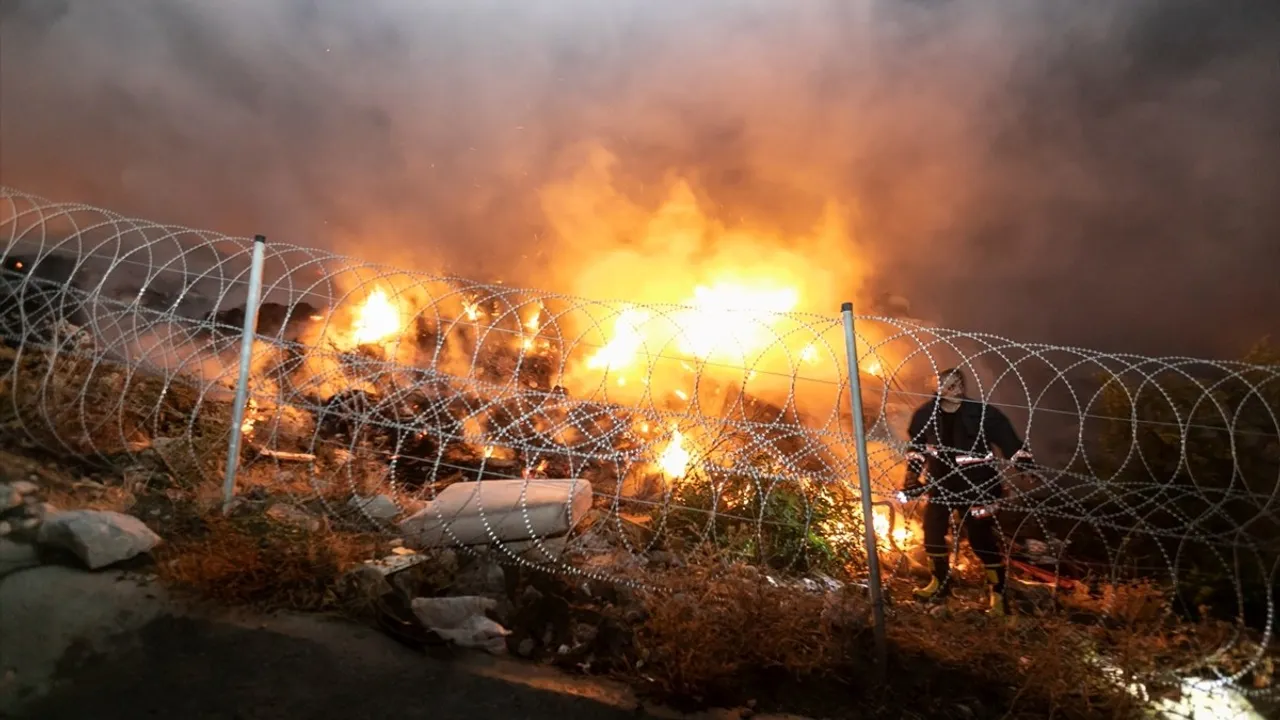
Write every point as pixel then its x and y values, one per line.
pixel 998 603
pixel 939 586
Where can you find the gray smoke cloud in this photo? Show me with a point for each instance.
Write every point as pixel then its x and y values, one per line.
pixel 1080 172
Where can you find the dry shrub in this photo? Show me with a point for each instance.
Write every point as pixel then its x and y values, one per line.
pixel 726 634
pixel 1138 604
pixel 257 561
pixel 93 407
pixel 1028 667
pixel 719 628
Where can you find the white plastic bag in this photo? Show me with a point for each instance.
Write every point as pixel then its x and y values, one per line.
pixel 462 621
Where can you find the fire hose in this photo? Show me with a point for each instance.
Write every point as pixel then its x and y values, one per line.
pixel 1038 574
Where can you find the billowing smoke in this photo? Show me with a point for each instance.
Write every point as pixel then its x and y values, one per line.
pixel 1074 171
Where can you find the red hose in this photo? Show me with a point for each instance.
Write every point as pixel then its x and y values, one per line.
pixel 1043 575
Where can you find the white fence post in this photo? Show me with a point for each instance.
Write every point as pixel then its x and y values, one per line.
pixel 864 484
pixel 246 357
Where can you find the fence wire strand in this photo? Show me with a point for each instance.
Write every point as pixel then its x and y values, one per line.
pixel 709 425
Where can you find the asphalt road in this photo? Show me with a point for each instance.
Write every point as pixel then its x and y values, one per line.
pixel 195 668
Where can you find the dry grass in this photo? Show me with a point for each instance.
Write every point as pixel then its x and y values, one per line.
pixel 724 634
pixel 718 627
pixel 93 408
pixel 720 633
pixel 254 560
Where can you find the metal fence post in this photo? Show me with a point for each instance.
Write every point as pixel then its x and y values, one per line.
pixel 864 484
pixel 246 357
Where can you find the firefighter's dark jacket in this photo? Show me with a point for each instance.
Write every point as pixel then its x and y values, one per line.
pixel 962 469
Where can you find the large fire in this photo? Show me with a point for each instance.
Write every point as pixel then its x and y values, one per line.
pixel 902 535
pixel 674 460
pixel 621 350
pixel 728 323
pixel 376 320
pixel 710 312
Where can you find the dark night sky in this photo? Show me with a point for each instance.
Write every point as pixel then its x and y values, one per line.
pixel 1073 171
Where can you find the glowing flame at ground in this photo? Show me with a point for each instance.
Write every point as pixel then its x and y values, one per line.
pixel 250 417
pixel 620 352
pixel 376 320
pixel 901 535
pixel 674 459
pixel 846 533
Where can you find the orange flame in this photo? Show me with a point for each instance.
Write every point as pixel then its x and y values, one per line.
pixel 674 459
pixel 620 352
pixel 376 320
pixel 732 320
pixel 728 322
pixel 809 355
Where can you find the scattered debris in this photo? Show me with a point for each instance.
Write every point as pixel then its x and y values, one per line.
pixel 481 513
pixel 550 550
pixel 284 456
pixel 290 515
pixel 21 510
pixel 9 497
pixel 462 621
pixel 362 586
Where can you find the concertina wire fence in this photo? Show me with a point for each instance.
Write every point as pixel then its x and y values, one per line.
pixel 686 426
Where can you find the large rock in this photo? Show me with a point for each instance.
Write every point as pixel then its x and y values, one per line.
pixel 16 556
pixel 480 513
pixel 378 507
pixel 98 537
pixel 52 616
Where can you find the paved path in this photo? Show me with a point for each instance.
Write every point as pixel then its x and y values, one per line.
pixel 97 645
pixel 182 667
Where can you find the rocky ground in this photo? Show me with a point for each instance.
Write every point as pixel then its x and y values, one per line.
pixel 105 645
pixel 89 613
pixel 425 619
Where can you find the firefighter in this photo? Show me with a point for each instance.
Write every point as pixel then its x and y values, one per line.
pixel 952 437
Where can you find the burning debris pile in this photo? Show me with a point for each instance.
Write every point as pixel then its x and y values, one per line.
pixel 375 385
pixel 707 420
pixel 370 423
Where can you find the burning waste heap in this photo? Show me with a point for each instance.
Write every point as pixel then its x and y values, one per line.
pixel 721 421
pixel 408 391
pixel 687 421
pixel 658 436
